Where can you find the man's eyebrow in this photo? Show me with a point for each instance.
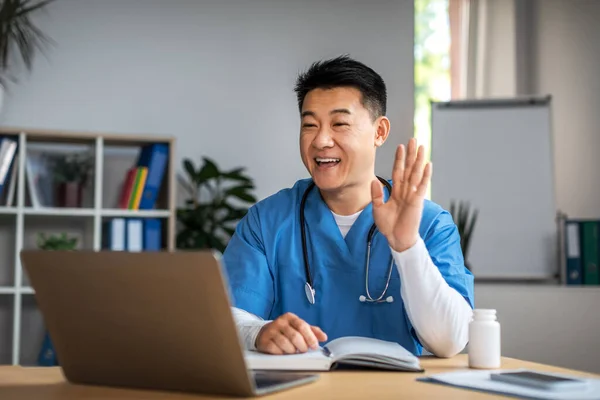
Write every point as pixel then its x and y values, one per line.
pixel 336 111
pixel 341 110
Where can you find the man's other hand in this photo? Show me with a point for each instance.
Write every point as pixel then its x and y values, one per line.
pixel 289 334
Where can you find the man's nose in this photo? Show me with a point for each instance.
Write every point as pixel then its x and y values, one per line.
pixel 323 138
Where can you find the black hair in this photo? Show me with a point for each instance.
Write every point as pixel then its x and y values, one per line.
pixel 343 71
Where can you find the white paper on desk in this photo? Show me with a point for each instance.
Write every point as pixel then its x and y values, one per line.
pixel 480 380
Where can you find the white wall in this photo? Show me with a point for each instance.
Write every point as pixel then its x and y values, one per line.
pixel 217 74
pixel 565 58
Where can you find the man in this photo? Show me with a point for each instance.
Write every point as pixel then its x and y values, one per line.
pixel 298 270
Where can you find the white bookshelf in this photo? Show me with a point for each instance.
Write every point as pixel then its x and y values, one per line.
pixel 21 324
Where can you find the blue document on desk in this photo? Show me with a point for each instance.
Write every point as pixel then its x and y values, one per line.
pixel 481 381
pixel 347 351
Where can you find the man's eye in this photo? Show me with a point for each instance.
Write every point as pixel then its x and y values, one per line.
pixel 308 125
pixel 340 124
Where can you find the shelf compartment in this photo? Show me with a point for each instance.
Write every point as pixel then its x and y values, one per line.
pixel 82 228
pixel 118 160
pixel 6 329
pixel 43 178
pixel 32 332
pixel 7 250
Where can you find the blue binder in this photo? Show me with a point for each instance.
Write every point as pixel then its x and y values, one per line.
pixel 152 234
pixel 154 157
pixel 47 355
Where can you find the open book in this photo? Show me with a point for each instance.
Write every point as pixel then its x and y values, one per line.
pixel 350 350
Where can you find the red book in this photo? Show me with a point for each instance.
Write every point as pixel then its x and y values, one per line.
pixel 127 188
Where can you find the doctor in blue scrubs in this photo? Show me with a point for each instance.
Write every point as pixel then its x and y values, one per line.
pixel 345 252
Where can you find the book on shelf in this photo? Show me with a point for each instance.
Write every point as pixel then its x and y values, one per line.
pixel 143 181
pixel 8 163
pixel 346 351
pixel 133 187
pixel 132 234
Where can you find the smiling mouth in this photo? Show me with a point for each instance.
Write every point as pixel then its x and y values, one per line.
pixel 327 162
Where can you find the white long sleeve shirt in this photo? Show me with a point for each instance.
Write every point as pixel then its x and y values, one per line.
pixel 439 314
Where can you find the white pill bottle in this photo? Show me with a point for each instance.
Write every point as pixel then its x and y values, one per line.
pixel 484 340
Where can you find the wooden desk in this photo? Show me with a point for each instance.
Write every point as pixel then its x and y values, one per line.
pixel 48 383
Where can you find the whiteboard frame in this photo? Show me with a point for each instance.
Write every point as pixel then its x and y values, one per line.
pixel 557 276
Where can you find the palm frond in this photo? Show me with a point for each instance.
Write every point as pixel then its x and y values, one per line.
pixel 464 217
pixel 19 35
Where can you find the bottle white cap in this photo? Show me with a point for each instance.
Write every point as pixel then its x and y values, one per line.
pixel 484 314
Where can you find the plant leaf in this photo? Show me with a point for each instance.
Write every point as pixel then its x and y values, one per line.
pixel 236 175
pixel 241 193
pixel 209 171
pixel 189 168
pixel 211 223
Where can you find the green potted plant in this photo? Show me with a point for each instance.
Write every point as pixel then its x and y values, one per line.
pixel 47 354
pixel 18 33
pixel 56 242
pixel 71 173
pixel 216 201
pixel 465 218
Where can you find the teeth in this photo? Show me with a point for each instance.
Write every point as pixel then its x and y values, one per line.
pixel 323 160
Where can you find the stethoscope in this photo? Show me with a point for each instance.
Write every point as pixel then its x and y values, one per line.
pixel 309 288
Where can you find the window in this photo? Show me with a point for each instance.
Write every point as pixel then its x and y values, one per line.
pixel 432 64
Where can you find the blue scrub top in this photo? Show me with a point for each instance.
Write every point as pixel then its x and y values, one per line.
pixel 265 269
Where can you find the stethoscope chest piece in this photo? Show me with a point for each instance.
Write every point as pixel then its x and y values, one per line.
pixel 310 293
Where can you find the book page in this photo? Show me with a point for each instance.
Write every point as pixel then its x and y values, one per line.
pixel 313 360
pixel 369 348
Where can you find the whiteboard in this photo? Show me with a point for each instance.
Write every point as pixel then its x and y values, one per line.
pixel 498 156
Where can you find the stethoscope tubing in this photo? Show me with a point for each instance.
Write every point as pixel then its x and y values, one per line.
pixel 309 286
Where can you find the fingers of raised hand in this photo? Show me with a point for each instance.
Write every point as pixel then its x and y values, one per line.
pixel 417 170
pixel 398 170
pixel 422 188
pixel 411 156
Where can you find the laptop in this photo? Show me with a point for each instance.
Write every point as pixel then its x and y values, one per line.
pixel 146 320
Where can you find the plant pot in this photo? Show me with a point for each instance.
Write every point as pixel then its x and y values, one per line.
pixel 69 194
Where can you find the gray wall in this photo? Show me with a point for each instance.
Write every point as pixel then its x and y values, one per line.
pixel 565 58
pixel 559 41
pixel 218 74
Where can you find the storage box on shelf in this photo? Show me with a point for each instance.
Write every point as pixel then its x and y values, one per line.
pixel 125 201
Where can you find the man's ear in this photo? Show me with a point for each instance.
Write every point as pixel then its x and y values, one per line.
pixel 382 130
